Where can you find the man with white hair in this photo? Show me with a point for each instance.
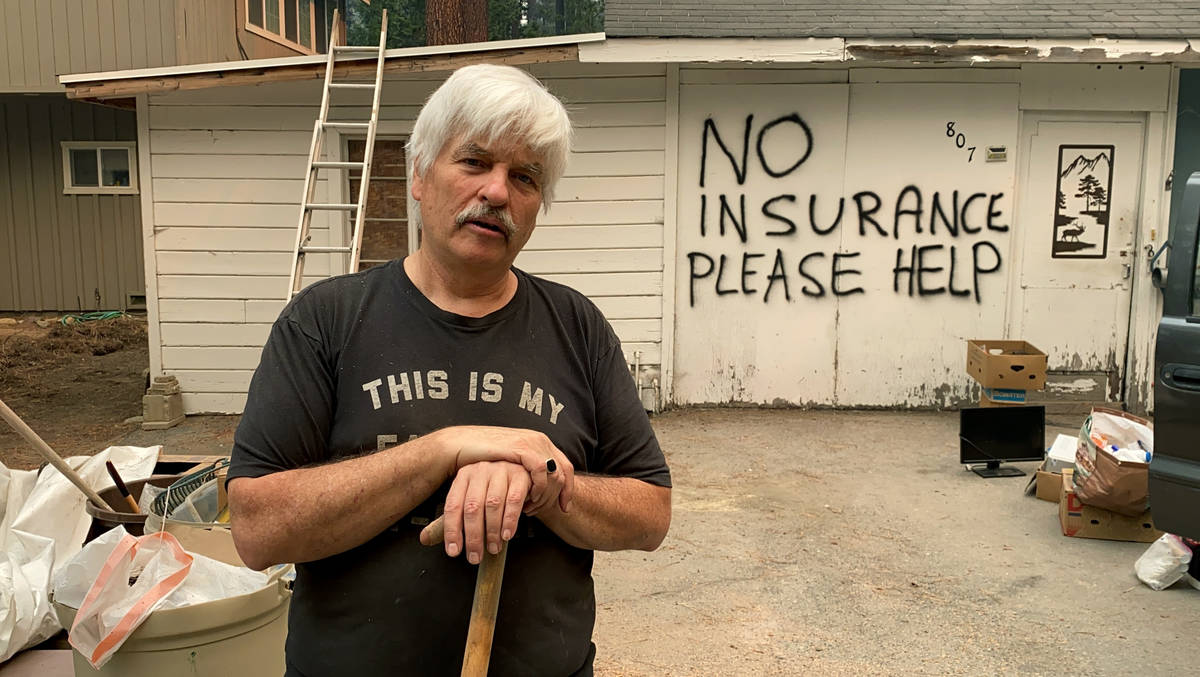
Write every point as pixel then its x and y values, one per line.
pixel 449 378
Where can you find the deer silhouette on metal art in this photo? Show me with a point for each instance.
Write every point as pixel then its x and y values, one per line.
pixel 1072 234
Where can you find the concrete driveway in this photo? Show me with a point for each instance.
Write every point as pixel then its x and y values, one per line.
pixel 850 542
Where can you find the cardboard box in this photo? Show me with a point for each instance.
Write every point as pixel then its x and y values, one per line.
pixel 1085 521
pixel 1005 395
pixel 1049 485
pixel 1011 365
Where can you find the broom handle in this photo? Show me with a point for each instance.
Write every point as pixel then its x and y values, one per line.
pixel 54 459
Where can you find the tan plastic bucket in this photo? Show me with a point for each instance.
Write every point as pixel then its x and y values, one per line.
pixel 236 637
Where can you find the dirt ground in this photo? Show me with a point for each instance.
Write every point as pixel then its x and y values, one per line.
pixel 803 542
pixel 75 384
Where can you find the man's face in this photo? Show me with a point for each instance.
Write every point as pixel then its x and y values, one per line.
pixel 479 203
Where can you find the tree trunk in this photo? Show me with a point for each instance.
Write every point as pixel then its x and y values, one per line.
pixel 452 22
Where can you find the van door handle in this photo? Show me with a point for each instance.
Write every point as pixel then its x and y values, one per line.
pixel 1180 376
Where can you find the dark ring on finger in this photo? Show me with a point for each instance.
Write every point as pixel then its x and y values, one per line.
pixel 551 466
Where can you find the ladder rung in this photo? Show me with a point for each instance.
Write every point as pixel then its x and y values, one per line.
pixel 333 206
pixel 337 165
pixel 355 48
pixel 352 85
pixel 324 250
pixel 348 125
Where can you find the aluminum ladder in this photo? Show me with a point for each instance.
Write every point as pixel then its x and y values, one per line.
pixel 357 208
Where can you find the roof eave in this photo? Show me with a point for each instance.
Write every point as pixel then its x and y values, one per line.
pixel 891 50
pixel 412 59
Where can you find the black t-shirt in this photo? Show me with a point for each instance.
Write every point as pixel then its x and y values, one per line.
pixel 361 362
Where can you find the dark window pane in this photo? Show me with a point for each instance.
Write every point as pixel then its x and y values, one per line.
pixel 272 12
pixel 83 167
pixel 1196 284
pixel 289 19
pixel 305 24
pixel 114 167
pixel 255 12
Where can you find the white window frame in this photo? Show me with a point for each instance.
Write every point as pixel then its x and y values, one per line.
pixel 130 147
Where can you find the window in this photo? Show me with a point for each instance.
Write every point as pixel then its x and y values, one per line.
pixel 1196 284
pixel 288 22
pixel 99 167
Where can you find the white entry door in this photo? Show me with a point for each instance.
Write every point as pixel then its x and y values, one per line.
pixel 1080 189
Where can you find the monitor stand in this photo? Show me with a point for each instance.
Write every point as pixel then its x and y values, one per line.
pixel 994 469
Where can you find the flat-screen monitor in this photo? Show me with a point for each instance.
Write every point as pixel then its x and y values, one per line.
pixel 994 435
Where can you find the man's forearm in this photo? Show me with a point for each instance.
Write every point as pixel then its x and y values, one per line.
pixel 309 513
pixel 613 513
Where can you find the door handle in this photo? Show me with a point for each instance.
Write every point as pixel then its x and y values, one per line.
pixel 1180 376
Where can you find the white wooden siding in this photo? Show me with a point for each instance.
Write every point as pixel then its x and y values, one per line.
pixel 228 167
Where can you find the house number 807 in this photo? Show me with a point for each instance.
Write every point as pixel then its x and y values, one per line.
pixel 960 140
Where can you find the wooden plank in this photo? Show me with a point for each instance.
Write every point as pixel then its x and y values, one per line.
pixel 44 194
pixel 263 311
pixel 229 142
pixel 122 36
pixel 651 352
pixel 24 220
pixel 202 310
pixel 60 34
pixel 8 246
pixel 262 191
pixel 569 69
pixel 638 331
pixel 600 188
pixel 759 76
pixel 73 31
pixel 596 213
pixel 629 307
pixel 31 76
pixel 247 117
pixel 625 114
pixel 184 238
pixel 600 237
pixel 576 91
pixel 184 166
pixel 590 261
pixel 213 403
pixel 315 70
pixel 106 34
pixel 238 263
pixel 136 27
pixel 611 284
pixel 208 357
pixel 214 334
pixel 619 138
pixel 67 207
pixel 45 53
pixel 213 381
pixel 266 287
pixel 158 32
pixel 233 215
pixel 625 163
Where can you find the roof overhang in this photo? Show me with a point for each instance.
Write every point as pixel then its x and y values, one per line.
pixel 864 51
pixel 123 84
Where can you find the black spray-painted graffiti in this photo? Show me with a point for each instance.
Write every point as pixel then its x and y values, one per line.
pixel 1081 206
pixel 928 270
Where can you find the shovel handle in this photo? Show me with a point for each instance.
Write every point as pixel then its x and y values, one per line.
pixel 54 459
pixel 488 581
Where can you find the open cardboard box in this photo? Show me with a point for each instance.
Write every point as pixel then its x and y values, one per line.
pixel 1085 521
pixel 1011 365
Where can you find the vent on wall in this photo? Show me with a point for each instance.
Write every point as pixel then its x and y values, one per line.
pixel 135 302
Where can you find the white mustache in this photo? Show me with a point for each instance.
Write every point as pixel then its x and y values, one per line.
pixel 481 211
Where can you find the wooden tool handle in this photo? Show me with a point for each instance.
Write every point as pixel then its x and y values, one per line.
pixel 434 533
pixel 54 459
pixel 488 580
pixel 478 652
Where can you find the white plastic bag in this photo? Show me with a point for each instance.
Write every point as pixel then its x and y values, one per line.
pixel 1164 562
pixel 135 578
pixel 43 523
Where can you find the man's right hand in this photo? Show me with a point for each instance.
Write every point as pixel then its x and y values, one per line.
pixel 528 448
